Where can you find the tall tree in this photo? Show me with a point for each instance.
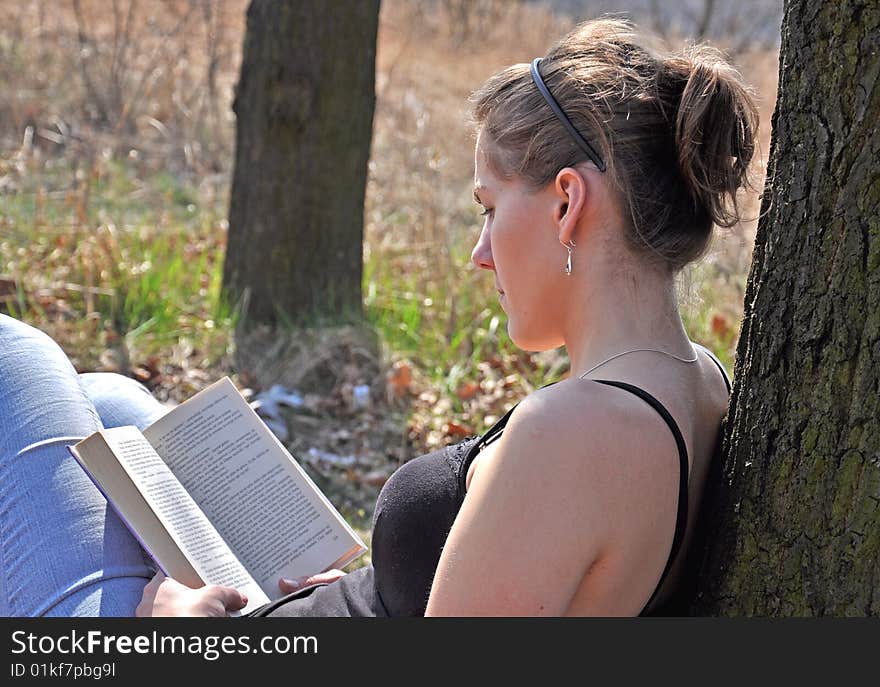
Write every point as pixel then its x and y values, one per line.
pixel 304 107
pixel 794 523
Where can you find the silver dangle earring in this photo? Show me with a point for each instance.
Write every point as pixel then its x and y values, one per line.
pixel 568 247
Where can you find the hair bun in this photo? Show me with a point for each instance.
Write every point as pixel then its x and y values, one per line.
pixel 715 130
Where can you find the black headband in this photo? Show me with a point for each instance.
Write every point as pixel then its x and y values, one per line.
pixel 561 116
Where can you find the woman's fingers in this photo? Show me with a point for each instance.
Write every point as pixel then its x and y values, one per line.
pixel 288 586
pixel 163 596
pixel 232 599
pixel 148 597
pixel 153 584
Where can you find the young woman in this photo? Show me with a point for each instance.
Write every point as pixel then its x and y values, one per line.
pixel 602 169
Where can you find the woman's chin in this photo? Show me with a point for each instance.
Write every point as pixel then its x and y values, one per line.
pixel 530 341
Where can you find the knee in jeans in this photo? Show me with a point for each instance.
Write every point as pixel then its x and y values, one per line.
pixel 103 384
pixel 13 330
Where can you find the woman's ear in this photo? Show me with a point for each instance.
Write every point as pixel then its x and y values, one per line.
pixel 571 195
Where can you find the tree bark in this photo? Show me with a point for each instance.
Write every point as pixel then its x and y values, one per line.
pixel 304 106
pixel 793 519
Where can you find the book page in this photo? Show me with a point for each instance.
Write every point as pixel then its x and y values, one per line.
pixel 182 518
pixel 113 481
pixel 259 499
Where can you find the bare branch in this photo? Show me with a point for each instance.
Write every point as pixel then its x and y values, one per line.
pixel 85 49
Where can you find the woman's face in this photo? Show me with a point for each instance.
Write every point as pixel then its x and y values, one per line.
pixel 519 242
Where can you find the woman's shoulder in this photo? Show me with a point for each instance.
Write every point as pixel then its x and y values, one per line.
pixel 583 430
pixel 631 400
pixel 576 407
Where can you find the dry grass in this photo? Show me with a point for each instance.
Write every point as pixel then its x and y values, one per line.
pixel 84 78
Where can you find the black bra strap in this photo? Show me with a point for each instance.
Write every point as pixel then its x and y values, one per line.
pixel 482 442
pixel 682 515
pixel 717 364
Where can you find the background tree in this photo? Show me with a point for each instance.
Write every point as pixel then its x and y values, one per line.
pixel 794 523
pixel 304 107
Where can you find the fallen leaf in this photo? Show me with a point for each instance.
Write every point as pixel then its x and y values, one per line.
pixel 8 286
pixel 456 430
pixel 152 365
pixel 141 373
pixel 400 379
pixel 375 478
pixel 720 326
pixel 467 390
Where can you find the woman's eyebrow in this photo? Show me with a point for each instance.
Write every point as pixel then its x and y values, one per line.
pixel 477 194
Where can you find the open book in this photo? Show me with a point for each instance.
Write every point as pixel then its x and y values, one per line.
pixel 215 498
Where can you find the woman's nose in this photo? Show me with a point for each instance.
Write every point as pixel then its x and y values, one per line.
pixel 481 256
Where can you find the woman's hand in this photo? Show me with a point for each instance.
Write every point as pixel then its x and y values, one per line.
pixel 289 586
pixel 164 596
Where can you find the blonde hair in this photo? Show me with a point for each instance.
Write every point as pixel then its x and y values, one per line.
pixel 677 131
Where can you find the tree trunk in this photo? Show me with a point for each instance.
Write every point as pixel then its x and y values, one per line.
pixel 793 519
pixel 304 106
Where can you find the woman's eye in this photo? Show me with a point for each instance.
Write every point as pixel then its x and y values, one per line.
pixel 486 211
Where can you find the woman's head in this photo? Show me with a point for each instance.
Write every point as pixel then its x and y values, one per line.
pixel 677 133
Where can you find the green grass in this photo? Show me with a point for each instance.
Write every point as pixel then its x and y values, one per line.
pixel 713 318
pixel 446 326
pixel 122 255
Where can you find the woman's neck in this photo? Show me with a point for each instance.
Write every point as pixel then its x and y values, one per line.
pixel 624 305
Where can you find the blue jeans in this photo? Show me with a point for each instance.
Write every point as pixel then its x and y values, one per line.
pixel 63 550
